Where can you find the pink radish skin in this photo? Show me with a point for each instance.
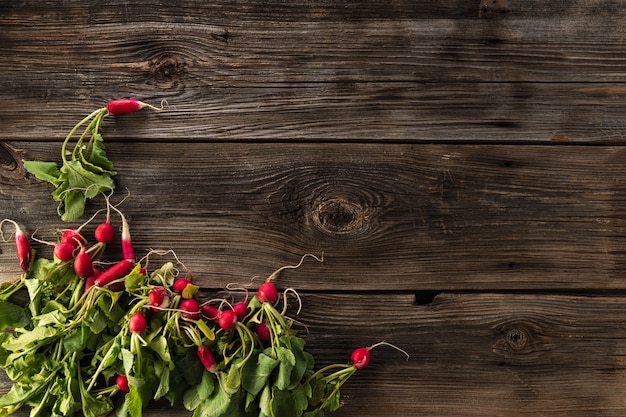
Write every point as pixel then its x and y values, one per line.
pixel 190 309
pixel 360 358
pixel 206 358
pixel 267 293
pixel 104 232
pixel 22 245
pixel 241 310
pixel 180 285
pixel 91 279
pixel 117 271
pixel 158 298
pixel 128 252
pixel 263 331
pixel 125 106
pixel 122 383
pixel 64 251
pixel 137 323
pixel 210 312
pixel 228 320
pixel 73 237
pixel 83 265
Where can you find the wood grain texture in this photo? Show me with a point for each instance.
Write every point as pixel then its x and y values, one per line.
pixel 460 165
pixel 409 71
pixel 431 217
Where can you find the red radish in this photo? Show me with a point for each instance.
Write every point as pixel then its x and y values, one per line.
pixel 22 245
pixel 263 331
pixel 158 298
pixel 116 271
pixel 83 265
pixel 127 245
pixel 360 357
pixel 190 309
pixel 122 383
pixel 73 237
pixel 64 251
pixel 125 106
pixel 267 293
pixel 228 320
pixel 207 359
pixel 104 232
pixel 185 288
pixel 210 312
pixel 241 310
pixel 91 279
pixel 137 323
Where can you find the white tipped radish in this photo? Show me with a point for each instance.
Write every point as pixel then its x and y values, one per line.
pixel 127 105
pixel 206 358
pixel 22 245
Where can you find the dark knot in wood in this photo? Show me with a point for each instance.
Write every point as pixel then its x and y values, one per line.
pixel 11 162
pixel 517 338
pixel 166 68
pixel 339 216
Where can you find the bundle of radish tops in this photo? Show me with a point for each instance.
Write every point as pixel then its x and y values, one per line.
pixel 85 334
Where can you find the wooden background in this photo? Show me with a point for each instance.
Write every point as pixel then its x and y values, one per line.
pixel 459 163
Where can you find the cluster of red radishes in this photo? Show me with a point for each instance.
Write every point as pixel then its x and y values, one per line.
pixel 246 326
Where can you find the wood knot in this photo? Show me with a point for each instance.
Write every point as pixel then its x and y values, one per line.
pixel 517 338
pixel 493 7
pixel 166 68
pixel 339 216
pixel 520 343
pixel 11 162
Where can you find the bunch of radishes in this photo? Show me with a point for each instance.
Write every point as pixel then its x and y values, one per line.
pixel 130 334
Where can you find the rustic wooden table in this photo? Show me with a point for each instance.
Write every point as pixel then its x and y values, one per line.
pixel 460 164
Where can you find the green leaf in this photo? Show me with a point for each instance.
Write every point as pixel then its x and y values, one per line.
pixel 256 373
pixel 76 185
pixel 215 406
pixel 38 334
pixel 133 403
pixel 206 330
pixel 159 346
pixel 76 339
pixel 98 161
pixel 95 407
pixel 287 363
pixel 265 400
pixel 288 403
pixel 194 396
pixel 45 171
pixel 12 315
pixel 164 380
pixel 20 393
pixel 134 279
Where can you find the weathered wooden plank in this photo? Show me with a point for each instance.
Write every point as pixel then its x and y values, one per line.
pixel 410 71
pixel 392 216
pixel 472 354
pixel 367 112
